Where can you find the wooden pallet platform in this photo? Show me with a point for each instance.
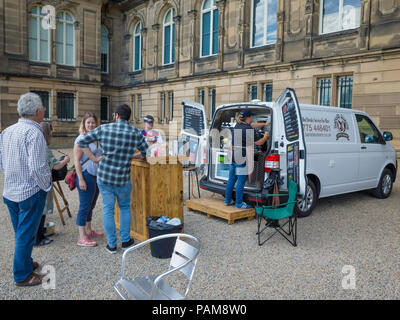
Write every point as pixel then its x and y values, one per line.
pixel 214 207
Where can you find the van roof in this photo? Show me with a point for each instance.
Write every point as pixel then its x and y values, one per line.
pixel 271 104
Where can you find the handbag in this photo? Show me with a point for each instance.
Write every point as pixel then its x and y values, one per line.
pixel 59 175
pixel 70 178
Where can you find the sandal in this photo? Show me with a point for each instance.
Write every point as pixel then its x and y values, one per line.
pixel 45 242
pixel 33 280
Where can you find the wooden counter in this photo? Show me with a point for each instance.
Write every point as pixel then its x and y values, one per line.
pixel 157 190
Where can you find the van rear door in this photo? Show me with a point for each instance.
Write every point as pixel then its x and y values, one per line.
pixel 194 132
pixel 290 140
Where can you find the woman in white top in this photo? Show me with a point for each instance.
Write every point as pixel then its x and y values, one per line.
pixel 86 176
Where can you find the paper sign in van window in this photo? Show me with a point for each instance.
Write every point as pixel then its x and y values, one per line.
pixel 291 121
pixel 293 171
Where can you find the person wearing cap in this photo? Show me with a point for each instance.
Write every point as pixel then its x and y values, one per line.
pixel 243 138
pixel 151 136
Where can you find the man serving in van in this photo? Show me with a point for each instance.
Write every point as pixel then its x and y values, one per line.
pixel 243 139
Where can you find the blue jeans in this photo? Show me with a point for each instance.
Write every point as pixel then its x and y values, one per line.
pixel 25 218
pixel 87 199
pixel 235 175
pixel 123 195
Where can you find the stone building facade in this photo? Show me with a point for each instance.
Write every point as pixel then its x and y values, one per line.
pixel 152 54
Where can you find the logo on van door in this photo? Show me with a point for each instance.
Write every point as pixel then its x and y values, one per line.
pixel 341 125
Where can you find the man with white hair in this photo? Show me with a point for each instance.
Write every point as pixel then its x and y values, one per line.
pixel 27 179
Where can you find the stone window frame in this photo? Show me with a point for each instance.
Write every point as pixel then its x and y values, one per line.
pixel 172 39
pixel 321 18
pixel 104 27
pixel 65 22
pixel 40 18
pixel 250 19
pixel 334 86
pixel 202 12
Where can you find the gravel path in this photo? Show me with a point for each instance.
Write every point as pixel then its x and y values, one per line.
pixel 355 229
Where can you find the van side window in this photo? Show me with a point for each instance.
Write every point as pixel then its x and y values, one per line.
pixel 368 132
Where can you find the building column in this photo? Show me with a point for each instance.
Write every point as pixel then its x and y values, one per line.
pixel 177 21
pixel 364 25
pixel 144 52
pixel 279 31
pixel 309 11
pixel 193 16
pixel 242 28
pixel 221 33
pixel 156 29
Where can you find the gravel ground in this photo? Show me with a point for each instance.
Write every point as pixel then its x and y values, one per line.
pixel 355 229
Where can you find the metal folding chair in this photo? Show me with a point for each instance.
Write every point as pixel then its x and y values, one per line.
pixel 154 287
pixel 272 215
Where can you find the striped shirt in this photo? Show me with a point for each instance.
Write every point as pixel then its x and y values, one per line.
pixel 119 142
pixel 23 159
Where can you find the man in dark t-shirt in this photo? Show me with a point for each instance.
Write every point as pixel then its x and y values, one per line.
pixel 244 136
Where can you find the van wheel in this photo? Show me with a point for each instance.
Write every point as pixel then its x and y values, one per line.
pixel 384 188
pixel 305 207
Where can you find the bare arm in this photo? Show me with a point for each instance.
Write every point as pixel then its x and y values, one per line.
pixel 77 161
pixel 256 125
pixel 61 164
pixel 262 140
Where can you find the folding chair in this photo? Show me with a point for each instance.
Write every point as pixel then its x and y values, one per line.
pixel 272 215
pixel 154 287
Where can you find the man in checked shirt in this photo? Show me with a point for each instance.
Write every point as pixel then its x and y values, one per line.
pixel 119 142
pixel 27 179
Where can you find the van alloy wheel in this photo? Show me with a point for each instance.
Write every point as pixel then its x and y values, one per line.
pixel 305 206
pixel 384 188
pixel 386 184
pixel 306 203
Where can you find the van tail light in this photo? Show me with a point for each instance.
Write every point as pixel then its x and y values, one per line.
pixel 272 162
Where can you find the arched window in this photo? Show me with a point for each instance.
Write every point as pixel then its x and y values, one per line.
pixel 105 50
pixel 209 28
pixel 169 37
pixel 263 22
pixel 65 39
pixel 137 47
pixel 39 37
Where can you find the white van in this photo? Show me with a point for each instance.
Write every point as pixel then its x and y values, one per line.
pixel 325 150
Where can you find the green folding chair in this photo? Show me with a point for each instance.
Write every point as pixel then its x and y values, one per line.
pixel 272 215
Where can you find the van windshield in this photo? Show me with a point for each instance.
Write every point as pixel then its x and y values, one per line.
pixel 221 143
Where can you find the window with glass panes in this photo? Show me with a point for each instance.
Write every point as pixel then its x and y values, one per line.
pixel 39 37
pixel 253 91
pixel 66 106
pixel 65 39
pixel 105 48
pixel 345 91
pixel 263 22
pixel 324 86
pixel 45 97
pixel 105 113
pixel 169 37
pixel 137 47
pixel 209 28
pixel 338 15
pixel 267 92
pixel 166 109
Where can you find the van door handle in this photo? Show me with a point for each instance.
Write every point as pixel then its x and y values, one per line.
pixel 363 147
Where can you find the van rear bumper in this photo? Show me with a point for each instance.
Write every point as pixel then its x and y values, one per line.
pixel 248 197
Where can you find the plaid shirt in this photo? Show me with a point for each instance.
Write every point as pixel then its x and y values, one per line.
pixel 23 159
pixel 119 142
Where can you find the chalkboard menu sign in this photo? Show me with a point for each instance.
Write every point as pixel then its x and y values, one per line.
pixel 291 120
pixel 193 120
